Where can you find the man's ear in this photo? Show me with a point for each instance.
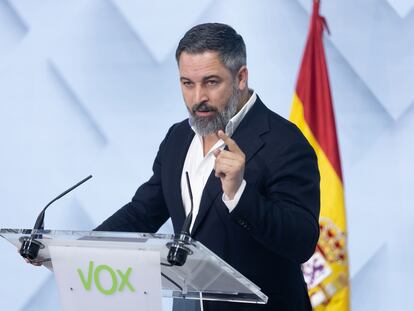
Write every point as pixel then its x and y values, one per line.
pixel 242 76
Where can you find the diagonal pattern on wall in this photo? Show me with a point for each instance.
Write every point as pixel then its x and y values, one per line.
pixel 378 44
pixel 402 7
pixel 91 87
pixel 12 28
pixel 156 23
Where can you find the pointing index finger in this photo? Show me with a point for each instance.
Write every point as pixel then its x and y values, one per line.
pixel 229 142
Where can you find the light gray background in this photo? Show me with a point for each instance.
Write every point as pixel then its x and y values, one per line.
pixel 90 86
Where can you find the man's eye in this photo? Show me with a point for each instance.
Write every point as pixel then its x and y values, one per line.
pixel 212 82
pixel 187 83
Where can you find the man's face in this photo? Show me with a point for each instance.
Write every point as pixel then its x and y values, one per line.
pixel 211 93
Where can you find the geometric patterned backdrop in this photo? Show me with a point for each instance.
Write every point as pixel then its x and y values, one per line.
pixel 90 87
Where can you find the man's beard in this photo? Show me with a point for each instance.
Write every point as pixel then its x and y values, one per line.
pixel 211 125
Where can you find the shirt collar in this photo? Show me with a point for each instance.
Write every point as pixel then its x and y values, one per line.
pixel 238 117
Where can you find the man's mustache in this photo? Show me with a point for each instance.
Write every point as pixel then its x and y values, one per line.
pixel 203 107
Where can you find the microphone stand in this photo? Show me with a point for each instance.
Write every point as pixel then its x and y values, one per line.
pixel 30 246
pixel 179 250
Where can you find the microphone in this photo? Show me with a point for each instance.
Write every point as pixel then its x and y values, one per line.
pixel 30 246
pixel 178 253
pixel 189 218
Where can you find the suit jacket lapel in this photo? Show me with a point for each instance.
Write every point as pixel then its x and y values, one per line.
pixel 176 163
pixel 247 136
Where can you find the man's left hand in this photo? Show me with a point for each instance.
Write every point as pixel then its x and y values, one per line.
pixel 229 166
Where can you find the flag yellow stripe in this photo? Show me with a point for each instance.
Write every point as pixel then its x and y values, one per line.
pixel 333 208
pixel 332 195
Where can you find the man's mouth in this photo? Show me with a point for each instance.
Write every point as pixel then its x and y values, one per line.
pixel 204 110
pixel 205 113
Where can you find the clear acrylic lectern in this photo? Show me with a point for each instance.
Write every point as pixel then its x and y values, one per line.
pixel 203 275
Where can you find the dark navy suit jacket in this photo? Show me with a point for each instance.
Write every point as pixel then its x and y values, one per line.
pixel 274 227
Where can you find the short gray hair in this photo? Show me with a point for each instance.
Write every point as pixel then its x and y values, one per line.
pixel 215 37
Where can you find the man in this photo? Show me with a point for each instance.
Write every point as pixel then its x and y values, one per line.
pixel 254 176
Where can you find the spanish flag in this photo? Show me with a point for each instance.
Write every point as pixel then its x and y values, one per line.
pixel 326 272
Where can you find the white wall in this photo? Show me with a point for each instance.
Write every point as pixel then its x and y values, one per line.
pixel 91 87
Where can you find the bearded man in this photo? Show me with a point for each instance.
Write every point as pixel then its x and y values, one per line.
pixel 254 177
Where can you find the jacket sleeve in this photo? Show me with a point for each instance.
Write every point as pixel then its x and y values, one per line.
pixel 283 212
pixel 147 211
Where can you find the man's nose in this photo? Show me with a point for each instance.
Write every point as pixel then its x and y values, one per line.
pixel 200 94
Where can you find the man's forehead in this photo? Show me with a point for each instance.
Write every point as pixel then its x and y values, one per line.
pixel 199 58
pixel 201 65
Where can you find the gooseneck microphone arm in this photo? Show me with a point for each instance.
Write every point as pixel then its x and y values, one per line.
pixel 30 246
pixel 189 218
pixel 179 250
pixel 39 224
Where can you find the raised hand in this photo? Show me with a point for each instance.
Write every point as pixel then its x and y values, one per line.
pixel 229 165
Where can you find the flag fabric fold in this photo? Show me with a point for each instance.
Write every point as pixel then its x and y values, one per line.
pixel 326 273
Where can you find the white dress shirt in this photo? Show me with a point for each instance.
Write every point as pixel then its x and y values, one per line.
pixel 199 167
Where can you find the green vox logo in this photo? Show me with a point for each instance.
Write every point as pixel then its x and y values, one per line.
pixel 121 278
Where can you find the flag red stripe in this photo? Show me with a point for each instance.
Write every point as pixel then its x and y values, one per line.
pixel 313 89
